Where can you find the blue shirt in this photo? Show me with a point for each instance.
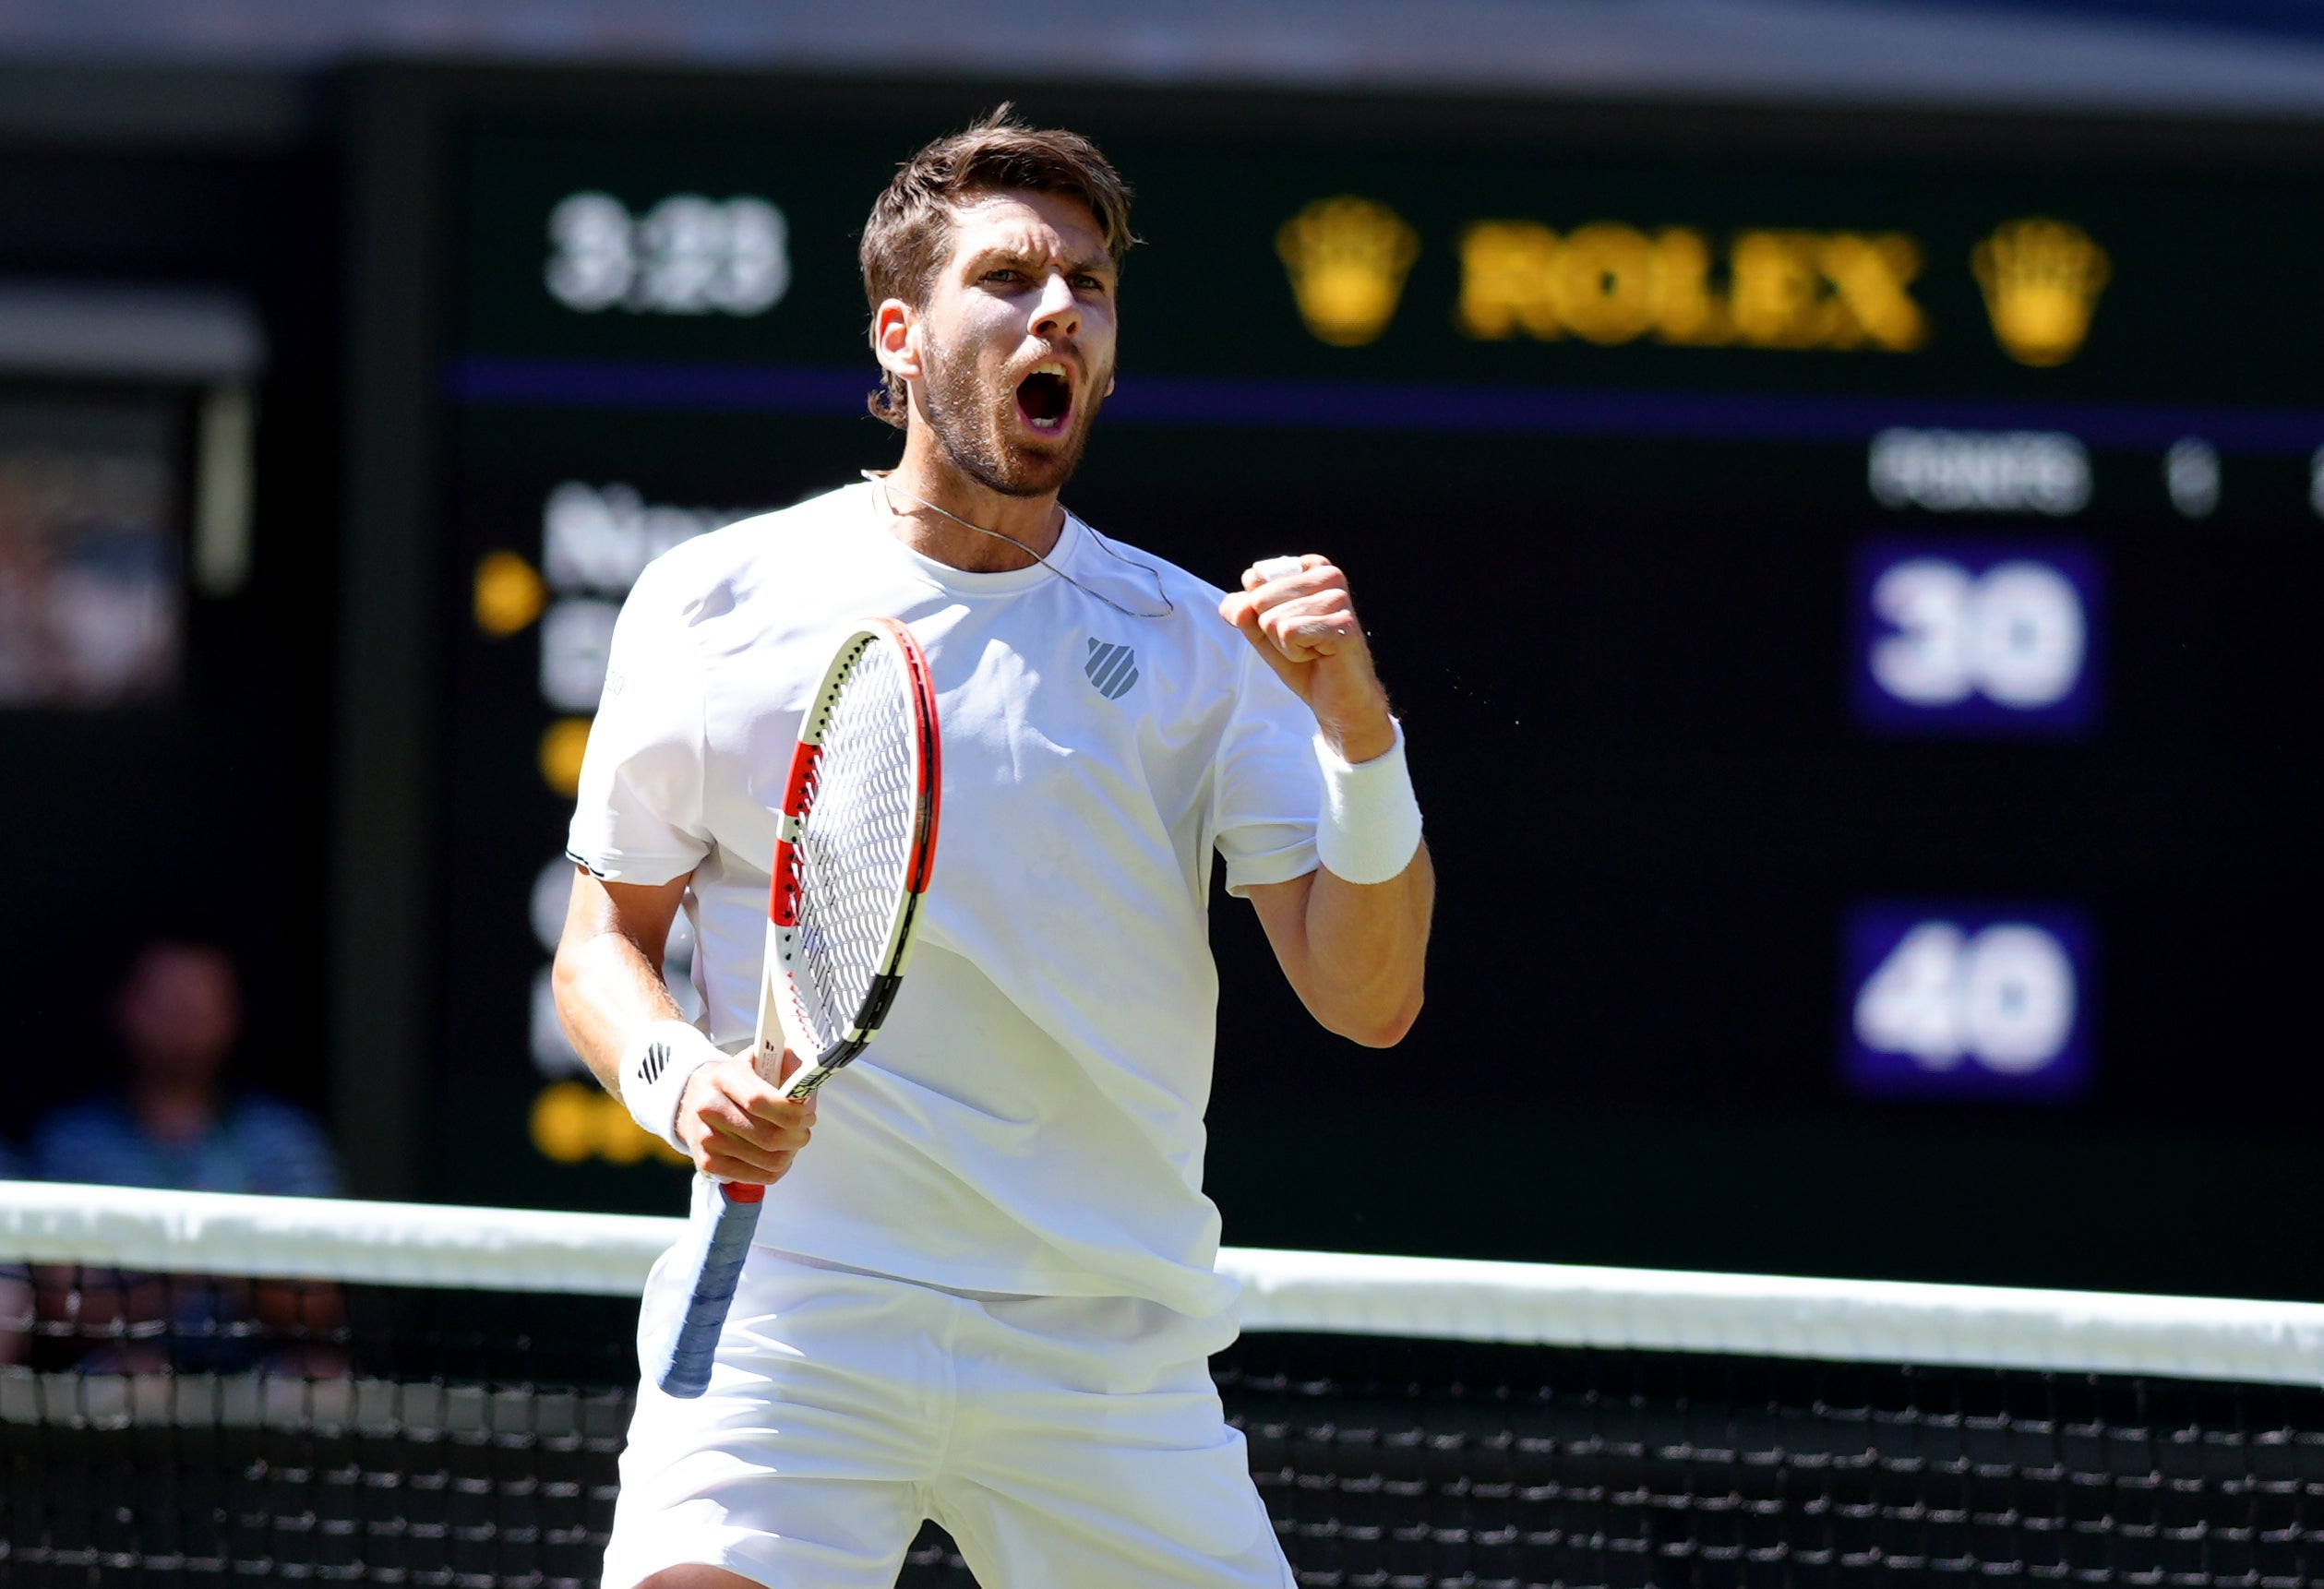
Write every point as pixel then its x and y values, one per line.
pixel 258 1144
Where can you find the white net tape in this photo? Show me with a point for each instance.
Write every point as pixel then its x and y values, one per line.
pixel 1870 1321
pixel 855 845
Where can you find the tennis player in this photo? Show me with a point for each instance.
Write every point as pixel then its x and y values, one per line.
pixel 987 1293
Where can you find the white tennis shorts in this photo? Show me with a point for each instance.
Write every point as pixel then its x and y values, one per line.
pixel 1065 1442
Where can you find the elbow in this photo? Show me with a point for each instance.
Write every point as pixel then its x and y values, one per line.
pixel 1383 1029
pixel 563 973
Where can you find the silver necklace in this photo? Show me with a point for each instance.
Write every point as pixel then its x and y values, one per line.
pixel 1168 606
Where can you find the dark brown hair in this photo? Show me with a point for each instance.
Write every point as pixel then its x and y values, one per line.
pixel 905 240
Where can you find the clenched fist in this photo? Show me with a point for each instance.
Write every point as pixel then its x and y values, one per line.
pixel 1303 623
pixel 738 1125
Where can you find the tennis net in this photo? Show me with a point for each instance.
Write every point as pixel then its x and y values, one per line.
pixel 200 1388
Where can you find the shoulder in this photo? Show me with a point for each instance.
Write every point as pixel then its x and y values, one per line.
pixel 101 1115
pixel 709 576
pixel 267 1108
pixel 278 1119
pixel 86 1139
pixel 289 1140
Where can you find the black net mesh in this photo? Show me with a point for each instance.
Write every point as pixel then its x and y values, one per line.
pixel 1427 1463
pixel 163 1431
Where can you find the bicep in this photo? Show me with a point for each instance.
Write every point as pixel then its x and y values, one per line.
pixel 608 976
pixel 639 912
pixel 1282 909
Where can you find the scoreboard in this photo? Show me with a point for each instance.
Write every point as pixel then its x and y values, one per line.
pixel 1850 589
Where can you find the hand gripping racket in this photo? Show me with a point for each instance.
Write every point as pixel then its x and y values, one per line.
pixel 851 865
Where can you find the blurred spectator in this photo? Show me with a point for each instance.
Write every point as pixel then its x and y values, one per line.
pixel 176 1124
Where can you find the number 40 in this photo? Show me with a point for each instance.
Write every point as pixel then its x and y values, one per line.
pixel 2004 997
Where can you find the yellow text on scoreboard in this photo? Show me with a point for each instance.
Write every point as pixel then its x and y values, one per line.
pixel 1608 282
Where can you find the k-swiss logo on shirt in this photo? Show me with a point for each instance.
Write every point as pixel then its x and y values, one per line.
pixel 1113 669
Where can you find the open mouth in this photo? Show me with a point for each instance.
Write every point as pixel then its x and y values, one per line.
pixel 1045 397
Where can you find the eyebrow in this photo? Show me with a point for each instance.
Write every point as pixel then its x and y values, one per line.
pixel 999 252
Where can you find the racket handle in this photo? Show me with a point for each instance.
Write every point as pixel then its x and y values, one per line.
pixel 717 1240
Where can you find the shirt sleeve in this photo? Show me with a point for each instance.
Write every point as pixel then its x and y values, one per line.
pixel 1270 787
pixel 639 818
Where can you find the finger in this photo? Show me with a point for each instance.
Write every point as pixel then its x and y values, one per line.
pixel 730 1160
pixel 1320 625
pixel 740 1105
pixel 1279 570
pixel 790 1065
pixel 773 1088
pixel 742 1126
pixel 1317 593
pixel 1270 568
pixel 1239 611
pixel 753 1169
pixel 716 1148
pixel 757 1111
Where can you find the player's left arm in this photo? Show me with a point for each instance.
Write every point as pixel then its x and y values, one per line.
pixel 1354 952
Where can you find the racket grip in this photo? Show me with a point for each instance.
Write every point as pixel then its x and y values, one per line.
pixel 717 1241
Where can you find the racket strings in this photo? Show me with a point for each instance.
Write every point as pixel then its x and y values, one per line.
pixel 854 845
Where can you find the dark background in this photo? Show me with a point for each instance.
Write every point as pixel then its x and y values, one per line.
pixel 208 813
pixel 1620 644
pixel 1622 658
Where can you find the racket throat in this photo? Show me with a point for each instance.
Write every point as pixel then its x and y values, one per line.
pixel 875 1009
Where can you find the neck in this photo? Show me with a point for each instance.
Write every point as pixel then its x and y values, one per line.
pixel 1033 522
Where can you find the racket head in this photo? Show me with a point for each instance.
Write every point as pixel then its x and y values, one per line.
pixel 856 849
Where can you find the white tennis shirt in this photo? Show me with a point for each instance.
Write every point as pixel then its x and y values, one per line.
pixel 1029 1119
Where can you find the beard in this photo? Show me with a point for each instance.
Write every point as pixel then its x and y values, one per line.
pixel 971 419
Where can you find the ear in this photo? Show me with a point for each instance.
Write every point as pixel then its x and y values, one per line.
pixel 895 339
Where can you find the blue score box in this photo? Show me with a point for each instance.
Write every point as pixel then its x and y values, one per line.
pixel 1975 638
pixel 1953 1001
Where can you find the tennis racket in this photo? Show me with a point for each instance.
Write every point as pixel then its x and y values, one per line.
pixel 851 866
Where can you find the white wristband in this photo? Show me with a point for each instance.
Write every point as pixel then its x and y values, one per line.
pixel 1371 826
pixel 653 1071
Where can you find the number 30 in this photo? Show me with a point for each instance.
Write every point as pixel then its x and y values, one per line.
pixel 2015 634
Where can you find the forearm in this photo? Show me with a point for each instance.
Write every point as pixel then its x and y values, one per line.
pixel 719 1111
pixel 608 991
pixel 1367 952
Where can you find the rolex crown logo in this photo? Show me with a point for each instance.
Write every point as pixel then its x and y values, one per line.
pixel 2041 280
pixel 1348 259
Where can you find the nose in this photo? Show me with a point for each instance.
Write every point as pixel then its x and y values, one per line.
pixel 1056 314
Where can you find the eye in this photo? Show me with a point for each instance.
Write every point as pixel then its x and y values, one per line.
pixel 1086 283
pixel 1005 274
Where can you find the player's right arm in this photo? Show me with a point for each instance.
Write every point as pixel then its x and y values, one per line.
pixel 731 1122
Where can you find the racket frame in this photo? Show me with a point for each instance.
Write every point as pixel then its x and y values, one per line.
pixel 781 1023
pixel 719 1237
